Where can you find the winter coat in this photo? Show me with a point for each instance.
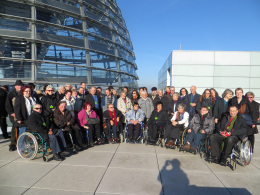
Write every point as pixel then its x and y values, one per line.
pixel 256 115
pixel 159 118
pixel 184 121
pixel 219 109
pixel 70 105
pixel 107 118
pixel 82 117
pixel 189 109
pixel 59 96
pixel 207 123
pixel 104 103
pixel 239 127
pixel 146 106
pixel 3 97
pixel 163 99
pixel 205 103
pixel 49 103
pixel 132 115
pixel 249 110
pixel 171 109
pixel 124 107
pixel 89 98
pixel 9 104
pixel 61 120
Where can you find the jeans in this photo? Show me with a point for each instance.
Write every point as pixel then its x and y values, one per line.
pixel 194 138
pixel 56 141
pixel 22 130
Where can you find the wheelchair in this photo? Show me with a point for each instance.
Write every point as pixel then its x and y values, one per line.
pixel 141 137
pixel 204 148
pixel 29 144
pixel 241 153
pixel 178 142
pixel 120 135
pixel 160 141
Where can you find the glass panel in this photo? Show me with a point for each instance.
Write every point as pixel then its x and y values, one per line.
pixel 104 77
pixel 22 10
pixel 14 69
pixel 103 61
pixel 15 49
pixel 101 45
pixel 14 25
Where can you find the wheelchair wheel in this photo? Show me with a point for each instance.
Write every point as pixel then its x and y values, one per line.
pixel 245 153
pixel 27 146
pixel 121 137
pixel 45 158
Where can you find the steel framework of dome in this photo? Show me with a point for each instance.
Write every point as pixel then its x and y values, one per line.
pixel 65 41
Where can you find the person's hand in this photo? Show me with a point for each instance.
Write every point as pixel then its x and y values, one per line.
pixel 86 127
pixel 216 120
pixel 172 114
pixel 117 119
pixel 50 132
pixel 111 122
pixel 193 104
pixel 13 115
pixel 174 123
pixel 202 131
pixel 68 123
pixel 132 121
pixel 253 126
pixel 189 130
pixel 19 122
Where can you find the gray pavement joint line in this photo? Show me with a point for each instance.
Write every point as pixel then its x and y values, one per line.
pixel 9 162
pixel 106 169
pixel 159 169
pixel 41 178
pixel 215 175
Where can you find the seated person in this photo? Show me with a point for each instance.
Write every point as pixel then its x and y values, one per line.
pixel 158 120
pixel 113 118
pixel 88 119
pixel 64 120
pixel 201 124
pixel 134 118
pixel 180 120
pixel 230 129
pixel 38 123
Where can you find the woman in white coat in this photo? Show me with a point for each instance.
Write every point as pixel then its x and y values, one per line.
pixel 124 104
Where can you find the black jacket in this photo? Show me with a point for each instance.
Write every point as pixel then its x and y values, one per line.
pixel 249 107
pixel 256 115
pixel 3 96
pixel 107 118
pixel 205 103
pixel 9 104
pixel 59 96
pixel 159 118
pixel 49 103
pixel 219 109
pixel 89 98
pixel 171 106
pixel 240 126
pixel 188 101
pixel 163 99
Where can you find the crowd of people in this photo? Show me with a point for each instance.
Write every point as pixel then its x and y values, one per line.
pixel 93 117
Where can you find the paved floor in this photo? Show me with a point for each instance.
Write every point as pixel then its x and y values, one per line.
pixel 125 169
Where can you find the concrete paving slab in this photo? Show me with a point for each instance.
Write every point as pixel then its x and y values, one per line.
pixel 99 159
pixel 6 155
pixel 72 178
pixel 136 148
pixel 4 142
pixel 35 191
pixel 3 162
pixel 256 153
pixel 103 148
pixel 38 159
pixel 130 181
pixel 185 163
pixel 174 152
pixel 10 190
pixel 19 174
pixel 176 181
pixel 134 161
pixel 256 162
pixel 236 180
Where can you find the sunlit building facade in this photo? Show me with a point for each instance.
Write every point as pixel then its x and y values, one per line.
pixel 65 41
pixel 207 69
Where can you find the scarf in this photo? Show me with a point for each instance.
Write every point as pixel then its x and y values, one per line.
pixel 113 117
pixel 229 126
pixel 29 104
pixel 179 116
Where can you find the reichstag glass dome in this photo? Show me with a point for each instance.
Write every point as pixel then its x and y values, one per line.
pixel 65 41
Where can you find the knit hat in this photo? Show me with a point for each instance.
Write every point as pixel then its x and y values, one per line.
pixel 154 89
pixel 18 82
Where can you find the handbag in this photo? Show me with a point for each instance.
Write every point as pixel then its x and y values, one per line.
pixel 249 120
pixel 92 121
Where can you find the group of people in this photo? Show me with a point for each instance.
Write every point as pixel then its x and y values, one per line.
pixel 92 117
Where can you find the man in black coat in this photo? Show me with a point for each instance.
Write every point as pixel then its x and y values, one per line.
pixel 192 101
pixel 93 99
pixel 39 124
pixel 230 129
pixel 3 113
pixel 9 105
pixel 161 98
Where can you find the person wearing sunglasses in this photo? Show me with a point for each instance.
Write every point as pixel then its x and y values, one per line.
pixel 37 122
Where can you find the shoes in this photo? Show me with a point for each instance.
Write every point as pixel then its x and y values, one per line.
pixel 58 157
pixel 91 144
pixel 215 160
pixel 64 153
pixel 12 148
pixel 170 144
pixel 77 147
pixel 115 140
pixel 84 145
pixel 223 162
pixel 109 140
pixel 186 146
pixel 7 137
pixel 193 150
pixel 100 141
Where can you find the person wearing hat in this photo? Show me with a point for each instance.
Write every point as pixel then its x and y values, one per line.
pixel 9 105
pixel 153 94
pixel 3 113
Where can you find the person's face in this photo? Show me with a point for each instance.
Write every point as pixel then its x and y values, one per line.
pixel 140 91
pixel 183 92
pixel 27 92
pixel 73 88
pixel 83 85
pixel 93 91
pixel 62 90
pixel 134 94
pixel 111 108
pixel 37 108
pixel 159 107
pixel 74 94
pixel 175 98
pixel 68 96
pixel 107 92
pixel 144 95
pixel 192 90
pixel 207 94
pixel 213 93
pixel 123 95
pixel 233 111
pixel 136 107
pixel 114 92
pixel 88 107
pixel 180 110
pixel 160 93
pixel 229 96
pixel 172 90
pixel 81 91
pixel 68 87
pixel 167 89
pixel 250 98
pixel 100 90
pixel 18 88
pixel 239 94
pixel 203 111
pixel 62 107
pixel 125 90
pixel 154 92
pixel 49 91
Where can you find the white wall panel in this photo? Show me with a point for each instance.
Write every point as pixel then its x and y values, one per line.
pixel 231 82
pixel 193 57
pixel 254 82
pixel 255 58
pixel 243 71
pixel 180 81
pixel 192 70
pixel 232 58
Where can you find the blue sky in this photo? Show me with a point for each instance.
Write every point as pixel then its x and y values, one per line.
pixel 157 27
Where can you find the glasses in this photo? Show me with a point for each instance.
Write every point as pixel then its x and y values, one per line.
pixel 37 108
pixel 250 97
pixel 27 91
pixel 110 107
pixel 134 93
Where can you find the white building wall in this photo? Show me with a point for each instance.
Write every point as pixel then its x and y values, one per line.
pixel 217 69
